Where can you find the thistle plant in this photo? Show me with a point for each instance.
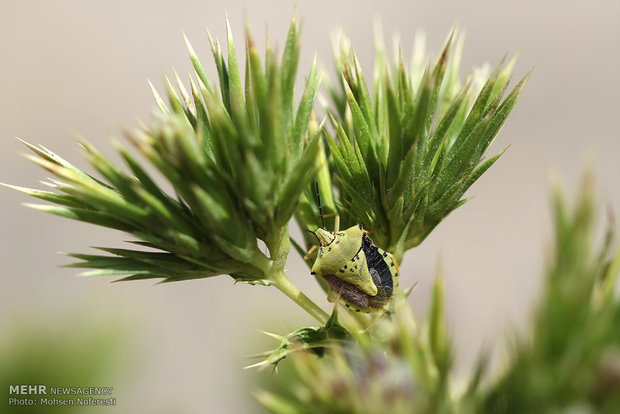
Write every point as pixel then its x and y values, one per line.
pixel 237 160
pixel 395 156
pixel 406 148
pixel 242 158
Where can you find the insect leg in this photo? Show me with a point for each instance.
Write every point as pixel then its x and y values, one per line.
pixel 311 253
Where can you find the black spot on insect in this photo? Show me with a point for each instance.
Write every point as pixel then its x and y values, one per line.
pixel 341 270
pixel 384 254
pixel 347 305
pixel 392 264
pixel 329 250
pixel 338 242
pixel 357 310
pixel 313 273
pixel 360 226
pixel 345 266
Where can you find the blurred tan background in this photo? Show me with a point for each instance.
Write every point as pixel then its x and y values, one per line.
pixel 82 66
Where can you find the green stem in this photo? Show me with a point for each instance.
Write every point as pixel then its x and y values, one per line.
pixel 279 245
pixel 289 289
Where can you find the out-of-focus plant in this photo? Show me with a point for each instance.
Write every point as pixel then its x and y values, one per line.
pixel 569 362
pixel 393 366
pixel 84 353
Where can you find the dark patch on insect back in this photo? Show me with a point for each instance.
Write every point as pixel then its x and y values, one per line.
pixel 348 292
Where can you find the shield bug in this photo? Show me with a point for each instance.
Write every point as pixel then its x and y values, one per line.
pixel 355 269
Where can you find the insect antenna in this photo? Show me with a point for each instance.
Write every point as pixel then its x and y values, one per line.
pixel 318 199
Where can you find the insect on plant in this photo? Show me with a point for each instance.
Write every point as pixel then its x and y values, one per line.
pixel 358 272
pixel 239 161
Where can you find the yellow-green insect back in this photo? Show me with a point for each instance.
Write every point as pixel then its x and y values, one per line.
pixel 360 273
